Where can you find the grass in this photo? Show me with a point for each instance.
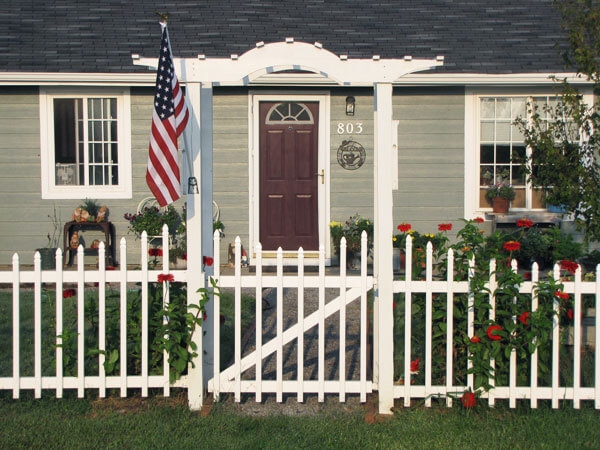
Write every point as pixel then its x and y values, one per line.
pixel 158 423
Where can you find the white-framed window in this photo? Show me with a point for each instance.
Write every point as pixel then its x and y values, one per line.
pixel 494 145
pixel 85 143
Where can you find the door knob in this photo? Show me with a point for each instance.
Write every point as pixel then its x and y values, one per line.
pixel 322 175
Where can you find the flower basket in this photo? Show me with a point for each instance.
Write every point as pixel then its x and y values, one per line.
pixel 500 205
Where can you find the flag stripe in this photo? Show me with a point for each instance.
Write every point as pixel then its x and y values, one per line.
pixel 169 118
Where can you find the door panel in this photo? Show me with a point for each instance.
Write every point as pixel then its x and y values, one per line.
pixel 288 181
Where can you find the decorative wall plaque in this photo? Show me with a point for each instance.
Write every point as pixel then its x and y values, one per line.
pixel 351 155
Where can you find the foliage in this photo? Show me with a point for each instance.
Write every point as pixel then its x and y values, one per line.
pixel 170 329
pixel 91 206
pixel 513 328
pixel 503 190
pixel 564 146
pixel 152 219
pixel 546 246
pixel 351 230
pixel 54 236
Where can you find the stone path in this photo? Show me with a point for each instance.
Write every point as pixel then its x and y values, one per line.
pixel 290 317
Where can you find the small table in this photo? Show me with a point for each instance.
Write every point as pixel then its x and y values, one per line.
pixel 509 220
pixel 73 226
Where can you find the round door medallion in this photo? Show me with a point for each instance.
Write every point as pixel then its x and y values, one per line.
pixel 351 155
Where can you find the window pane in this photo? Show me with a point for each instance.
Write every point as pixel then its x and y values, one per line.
pixel 518 153
pixel 518 176
pixel 487 108
pixel 66 141
pixel 113 153
pixel 502 174
pixel 487 131
pixel 483 202
pixel 518 107
pixel 115 175
pixel 113 131
pixel 517 134
pixel 113 108
pixel 503 108
pixel 487 154
pixel 503 131
pixel 486 176
pixel 502 154
pixel 519 201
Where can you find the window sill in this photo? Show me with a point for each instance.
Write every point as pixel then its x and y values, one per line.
pixel 79 192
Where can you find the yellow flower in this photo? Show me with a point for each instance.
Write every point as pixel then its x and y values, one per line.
pixel 394 239
pixel 410 231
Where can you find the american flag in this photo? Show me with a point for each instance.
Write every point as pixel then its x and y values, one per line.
pixel 169 118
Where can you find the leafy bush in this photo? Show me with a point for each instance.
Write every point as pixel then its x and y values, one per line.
pixel 152 219
pixel 352 230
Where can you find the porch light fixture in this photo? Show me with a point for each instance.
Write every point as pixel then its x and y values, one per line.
pixel 350 106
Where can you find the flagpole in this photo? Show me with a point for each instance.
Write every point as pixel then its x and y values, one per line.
pixel 192 187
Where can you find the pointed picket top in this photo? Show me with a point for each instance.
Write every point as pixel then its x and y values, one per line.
pixel 165 229
pixel 238 240
pixel 514 265
pixel 408 244
pixel 343 242
pixel 535 270
pixel 100 246
pixel 15 261
pixel 37 258
pixel 216 234
pixel 144 235
pixel 123 243
pixel 429 249
pixel 258 246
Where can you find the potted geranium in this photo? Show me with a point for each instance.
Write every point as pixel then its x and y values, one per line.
pixel 500 195
pixel 352 230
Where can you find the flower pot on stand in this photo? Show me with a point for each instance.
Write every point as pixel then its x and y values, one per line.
pixel 500 205
pixel 399 259
pixel 48 258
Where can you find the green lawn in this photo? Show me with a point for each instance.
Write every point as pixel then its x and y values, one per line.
pixel 158 423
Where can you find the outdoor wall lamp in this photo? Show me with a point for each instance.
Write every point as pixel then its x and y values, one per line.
pixel 350 106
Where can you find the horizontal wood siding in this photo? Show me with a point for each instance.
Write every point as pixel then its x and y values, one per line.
pixel 230 163
pixel 24 222
pixel 431 157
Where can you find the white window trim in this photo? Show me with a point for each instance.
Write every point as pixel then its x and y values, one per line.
pixel 323 98
pixel 472 130
pixel 48 187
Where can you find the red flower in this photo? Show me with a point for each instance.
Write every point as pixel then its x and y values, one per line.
pixel 414 366
pixel 527 275
pixel 511 246
pixel 523 317
pixel 468 400
pixel 490 331
pixel 404 227
pixel 184 256
pixel 524 223
pixel 155 252
pixel 68 293
pixel 561 294
pixel 478 220
pixel 570 313
pixel 207 261
pixel 569 265
pixel 475 339
pixel 444 226
pixel 394 307
pixel 111 268
pixel 162 277
pixel 204 316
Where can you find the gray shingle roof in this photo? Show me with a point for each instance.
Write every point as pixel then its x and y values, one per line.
pixel 475 36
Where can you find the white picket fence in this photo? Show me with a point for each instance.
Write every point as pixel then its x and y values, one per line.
pixel 512 392
pixel 58 277
pixel 351 288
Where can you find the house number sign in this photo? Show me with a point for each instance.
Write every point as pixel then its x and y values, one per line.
pixel 349 128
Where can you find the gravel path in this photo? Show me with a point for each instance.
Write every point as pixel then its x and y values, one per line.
pixel 290 406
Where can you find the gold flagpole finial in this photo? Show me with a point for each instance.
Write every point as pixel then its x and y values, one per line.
pixel 163 16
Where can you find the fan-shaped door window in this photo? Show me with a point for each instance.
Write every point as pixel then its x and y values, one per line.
pixel 287 112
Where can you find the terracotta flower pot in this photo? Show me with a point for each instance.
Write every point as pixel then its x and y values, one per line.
pixel 500 205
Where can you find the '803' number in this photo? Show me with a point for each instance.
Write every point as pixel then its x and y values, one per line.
pixel 350 128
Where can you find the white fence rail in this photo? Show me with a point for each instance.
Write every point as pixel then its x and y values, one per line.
pixel 58 278
pixel 351 288
pixel 554 392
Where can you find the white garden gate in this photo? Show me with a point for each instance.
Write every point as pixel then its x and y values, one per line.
pixel 352 288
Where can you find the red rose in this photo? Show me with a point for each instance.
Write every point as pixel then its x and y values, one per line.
pixel 155 252
pixel 523 317
pixel 478 220
pixel 394 307
pixel 68 293
pixel 404 227
pixel 468 400
pixel 524 223
pixel 475 339
pixel 162 277
pixel 207 261
pixel 527 275
pixel 444 226
pixel 570 313
pixel 562 295
pixel 569 265
pixel 511 246
pixel 490 331
pixel 414 366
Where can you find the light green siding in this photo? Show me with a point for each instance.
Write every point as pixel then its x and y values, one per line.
pixel 431 156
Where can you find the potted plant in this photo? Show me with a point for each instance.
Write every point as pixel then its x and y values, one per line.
pixel 500 195
pixel 48 253
pixel 352 230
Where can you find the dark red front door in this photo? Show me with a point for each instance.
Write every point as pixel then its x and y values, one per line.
pixel 288 175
